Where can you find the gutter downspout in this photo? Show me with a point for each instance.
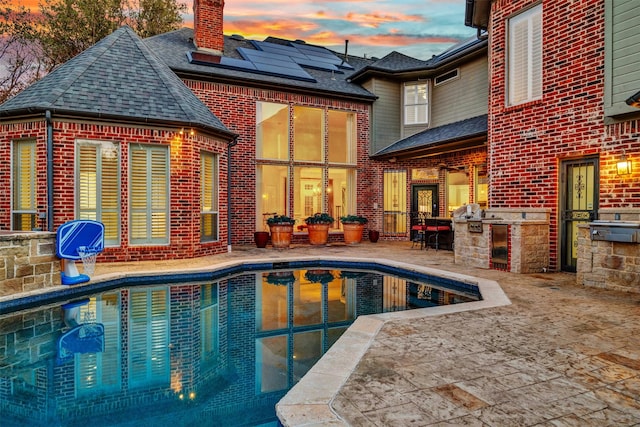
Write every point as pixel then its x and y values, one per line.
pixel 49 123
pixel 231 144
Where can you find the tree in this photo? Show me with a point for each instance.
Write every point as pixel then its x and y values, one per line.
pixel 33 44
pixel 19 66
pixel 151 17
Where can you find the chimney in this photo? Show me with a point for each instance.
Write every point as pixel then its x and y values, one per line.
pixel 207 25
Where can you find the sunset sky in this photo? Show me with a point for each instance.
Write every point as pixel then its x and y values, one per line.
pixel 419 28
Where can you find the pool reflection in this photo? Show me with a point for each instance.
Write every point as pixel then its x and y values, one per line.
pixel 178 354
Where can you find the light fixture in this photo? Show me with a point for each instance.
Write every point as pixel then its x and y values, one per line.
pixel 623 167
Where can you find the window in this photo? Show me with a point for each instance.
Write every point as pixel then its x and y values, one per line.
pixel 621 56
pixel 294 187
pixel 525 56
pixel 445 77
pixel 342 136
pixel 149 317
pixel 209 197
pixel 25 214
pixel 149 197
pixel 308 134
pixel 272 131
pixel 457 190
pixel 98 186
pixel 395 202
pixel 273 196
pixel 100 372
pixel 416 103
pixel 209 322
pixel 481 181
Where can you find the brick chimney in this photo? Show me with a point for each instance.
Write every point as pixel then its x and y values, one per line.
pixel 207 25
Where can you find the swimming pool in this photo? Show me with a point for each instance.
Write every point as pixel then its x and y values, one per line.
pixel 202 348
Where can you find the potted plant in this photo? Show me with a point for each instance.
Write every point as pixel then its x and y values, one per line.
pixel 281 227
pixel 353 225
pixel 318 227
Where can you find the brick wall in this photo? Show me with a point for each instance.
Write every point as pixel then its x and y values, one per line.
pixel 528 142
pixel 184 184
pixel 235 106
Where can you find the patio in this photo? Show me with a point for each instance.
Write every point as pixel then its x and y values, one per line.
pixel 559 355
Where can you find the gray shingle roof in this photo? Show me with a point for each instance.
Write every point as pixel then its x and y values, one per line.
pixel 397 63
pixel 457 131
pixel 118 77
pixel 173 47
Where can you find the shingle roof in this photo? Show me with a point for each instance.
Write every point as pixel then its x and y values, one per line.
pixel 173 47
pixel 457 131
pixel 396 63
pixel 118 77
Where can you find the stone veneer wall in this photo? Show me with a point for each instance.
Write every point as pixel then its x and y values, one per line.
pixel 609 265
pixel 528 240
pixel 27 262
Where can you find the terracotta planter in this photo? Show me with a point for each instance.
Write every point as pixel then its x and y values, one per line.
pixel 261 238
pixel 318 233
pixel 374 235
pixel 281 235
pixel 352 232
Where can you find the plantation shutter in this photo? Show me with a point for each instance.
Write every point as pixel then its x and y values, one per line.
pixel 99 372
pixel 525 56
pixel 24 182
pixel 209 197
pixel 149 195
pixel 149 338
pixel 416 103
pixel 98 188
pixel 110 199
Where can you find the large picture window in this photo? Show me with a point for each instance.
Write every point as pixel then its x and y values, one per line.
pixel 524 72
pixel 272 131
pixel 416 103
pixel 457 190
pixel 149 198
pixel 25 213
pixel 321 176
pixel 208 197
pixel 98 186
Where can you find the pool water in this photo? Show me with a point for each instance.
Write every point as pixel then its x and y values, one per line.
pixel 217 352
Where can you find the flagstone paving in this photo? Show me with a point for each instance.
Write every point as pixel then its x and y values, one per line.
pixel 558 355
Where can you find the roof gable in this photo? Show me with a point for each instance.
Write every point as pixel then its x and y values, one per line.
pixel 118 77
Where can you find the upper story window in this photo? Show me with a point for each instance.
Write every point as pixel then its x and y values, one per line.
pixel 621 56
pixel 416 103
pixel 446 77
pixel 524 73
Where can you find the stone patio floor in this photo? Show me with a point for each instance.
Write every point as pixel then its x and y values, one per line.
pixel 558 355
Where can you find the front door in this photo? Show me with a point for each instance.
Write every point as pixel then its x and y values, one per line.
pixel 579 204
pixel 424 199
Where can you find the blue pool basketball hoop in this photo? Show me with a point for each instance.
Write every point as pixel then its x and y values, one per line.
pixel 82 239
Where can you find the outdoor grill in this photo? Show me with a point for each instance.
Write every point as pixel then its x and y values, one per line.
pixel 615 231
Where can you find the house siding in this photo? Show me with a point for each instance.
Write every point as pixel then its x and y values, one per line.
pixel 527 142
pixel 184 238
pixel 386 113
pixel 463 97
pixel 622 55
pixel 235 106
